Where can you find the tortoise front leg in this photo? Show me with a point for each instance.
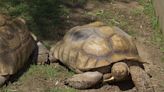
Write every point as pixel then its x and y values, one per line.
pixel 43 54
pixel 140 79
pixel 84 80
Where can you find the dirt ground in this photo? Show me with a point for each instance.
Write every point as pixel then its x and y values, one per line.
pixel 129 17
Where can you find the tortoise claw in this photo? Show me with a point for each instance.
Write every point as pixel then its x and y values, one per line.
pixel 109 80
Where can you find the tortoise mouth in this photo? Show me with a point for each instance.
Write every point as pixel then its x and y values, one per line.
pixel 120 71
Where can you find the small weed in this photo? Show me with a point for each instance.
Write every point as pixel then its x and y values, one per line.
pixel 5 90
pixel 131 32
pixel 162 59
pixel 136 11
pixel 123 24
pixel 106 16
pixel 162 49
pixel 142 2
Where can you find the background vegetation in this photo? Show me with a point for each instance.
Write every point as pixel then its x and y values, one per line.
pixel 43 16
pixel 158 37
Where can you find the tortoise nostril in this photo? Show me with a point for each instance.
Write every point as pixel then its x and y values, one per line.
pixel 120 70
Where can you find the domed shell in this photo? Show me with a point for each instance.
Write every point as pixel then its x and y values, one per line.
pixel 16 44
pixel 94 45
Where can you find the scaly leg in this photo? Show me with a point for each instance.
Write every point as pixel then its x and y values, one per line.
pixel 140 79
pixel 84 80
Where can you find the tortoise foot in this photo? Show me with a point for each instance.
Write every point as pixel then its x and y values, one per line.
pixel 43 54
pixel 141 80
pixel 84 80
pixel 3 80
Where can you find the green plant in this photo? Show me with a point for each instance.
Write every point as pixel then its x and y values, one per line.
pixel 47 71
pixel 149 10
pixel 137 11
pixel 41 15
pixel 162 59
pixel 4 90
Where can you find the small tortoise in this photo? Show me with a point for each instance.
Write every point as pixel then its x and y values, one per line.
pixel 100 53
pixel 16 46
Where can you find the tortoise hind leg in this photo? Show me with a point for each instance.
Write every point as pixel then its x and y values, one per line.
pixel 140 79
pixel 3 80
pixel 84 80
pixel 43 54
pixel 40 54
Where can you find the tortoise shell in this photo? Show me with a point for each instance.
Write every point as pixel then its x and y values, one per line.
pixel 94 45
pixel 16 44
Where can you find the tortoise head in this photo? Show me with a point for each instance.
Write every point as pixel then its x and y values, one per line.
pixel 120 71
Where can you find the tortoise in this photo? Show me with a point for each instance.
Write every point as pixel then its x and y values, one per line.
pixel 99 53
pixel 16 46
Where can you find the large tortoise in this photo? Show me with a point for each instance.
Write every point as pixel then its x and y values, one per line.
pixel 100 53
pixel 16 46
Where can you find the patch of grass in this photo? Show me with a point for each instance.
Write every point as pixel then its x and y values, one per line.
pixel 105 16
pixel 114 19
pixel 158 37
pixel 41 15
pixel 162 59
pixel 150 11
pixel 50 73
pixel 136 11
pixel 47 71
pixel 5 90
